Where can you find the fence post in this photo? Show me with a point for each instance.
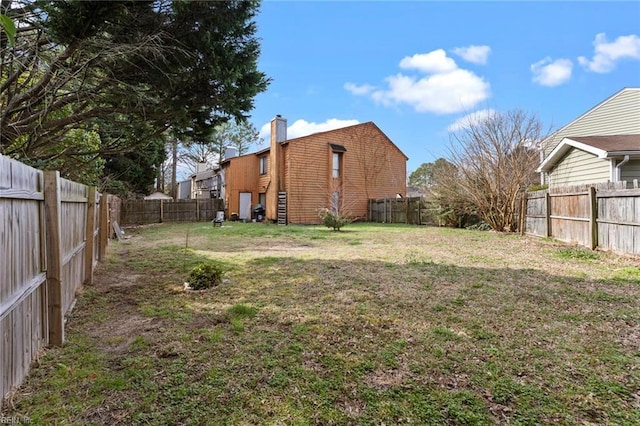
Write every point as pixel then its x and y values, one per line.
pixel 523 212
pixel 89 236
pixel 104 225
pixel 52 205
pixel 407 206
pixel 384 210
pixel 161 210
pixel 547 202
pixel 593 216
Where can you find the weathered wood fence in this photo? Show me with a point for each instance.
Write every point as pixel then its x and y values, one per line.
pixel 52 233
pixel 411 210
pixel 606 216
pixel 137 212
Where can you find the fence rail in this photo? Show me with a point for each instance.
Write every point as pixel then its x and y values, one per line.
pixel 52 233
pixel 136 212
pixel 604 215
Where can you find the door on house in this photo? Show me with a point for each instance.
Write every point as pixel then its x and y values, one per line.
pixel 245 206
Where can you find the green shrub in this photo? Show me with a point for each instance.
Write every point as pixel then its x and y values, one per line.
pixel 480 226
pixel 205 275
pixel 332 219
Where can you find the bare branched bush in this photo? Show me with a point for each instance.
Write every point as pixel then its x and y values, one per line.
pixel 495 160
pixel 449 202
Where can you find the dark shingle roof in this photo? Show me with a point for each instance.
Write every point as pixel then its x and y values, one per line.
pixel 611 143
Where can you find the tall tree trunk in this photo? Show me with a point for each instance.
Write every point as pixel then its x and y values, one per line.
pixel 160 179
pixel 174 170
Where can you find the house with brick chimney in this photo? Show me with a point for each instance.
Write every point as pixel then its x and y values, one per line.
pixel 293 179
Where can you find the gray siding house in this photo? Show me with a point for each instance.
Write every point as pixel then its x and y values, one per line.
pixel 602 145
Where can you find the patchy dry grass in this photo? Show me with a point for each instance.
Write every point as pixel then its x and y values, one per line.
pixel 376 324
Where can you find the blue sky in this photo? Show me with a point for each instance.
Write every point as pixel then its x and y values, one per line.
pixel 415 68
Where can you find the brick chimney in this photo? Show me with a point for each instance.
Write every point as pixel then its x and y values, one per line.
pixel 276 170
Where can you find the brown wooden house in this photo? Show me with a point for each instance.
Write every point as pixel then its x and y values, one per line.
pixel 294 178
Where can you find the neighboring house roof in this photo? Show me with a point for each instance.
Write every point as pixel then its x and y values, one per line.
pixel 228 160
pixel 616 146
pixel 203 175
pixel 158 196
pixel 610 100
pixel 414 191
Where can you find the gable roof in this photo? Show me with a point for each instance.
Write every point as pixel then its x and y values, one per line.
pixel 601 146
pixel 341 129
pixel 614 145
pixel 300 138
pixel 338 130
pixel 599 106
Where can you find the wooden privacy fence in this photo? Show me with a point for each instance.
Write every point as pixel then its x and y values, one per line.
pixel 52 233
pixel 156 211
pixel 412 210
pixel 606 216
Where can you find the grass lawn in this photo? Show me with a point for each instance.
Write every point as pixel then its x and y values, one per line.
pixel 378 324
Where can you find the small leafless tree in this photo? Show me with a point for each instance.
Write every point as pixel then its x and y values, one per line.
pixel 495 160
pixel 193 154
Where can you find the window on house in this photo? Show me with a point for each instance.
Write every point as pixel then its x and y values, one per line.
pixel 337 157
pixel 263 165
pixel 262 199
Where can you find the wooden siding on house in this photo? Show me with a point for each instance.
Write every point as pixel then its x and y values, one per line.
pixel 372 167
pixel 618 115
pixel 578 167
pixel 241 175
pixel 307 177
pixel 630 171
pixel 263 180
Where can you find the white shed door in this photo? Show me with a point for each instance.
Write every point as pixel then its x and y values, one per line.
pixel 245 205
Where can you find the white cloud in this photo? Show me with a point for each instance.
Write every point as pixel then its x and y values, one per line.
pixel 436 61
pixel 445 93
pixel 607 54
pixel 304 128
pixel 552 73
pixel 445 88
pixel 364 89
pixel 474 54
pixel 471 119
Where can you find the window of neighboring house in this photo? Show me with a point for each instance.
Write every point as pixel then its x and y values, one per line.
pixel 337 157
pixel 263 165
pixel 262 199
